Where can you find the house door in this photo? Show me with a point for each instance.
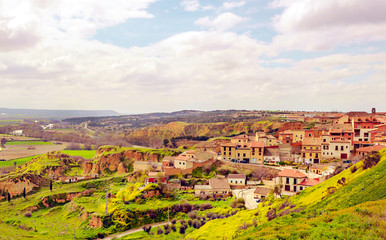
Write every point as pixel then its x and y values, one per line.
pixel 316 160
pixel 343 156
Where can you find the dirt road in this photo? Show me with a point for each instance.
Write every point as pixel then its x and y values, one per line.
pixel 248 195
pixel 119 235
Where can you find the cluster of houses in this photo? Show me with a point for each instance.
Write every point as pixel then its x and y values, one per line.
pixel 354 133
pixel 340 137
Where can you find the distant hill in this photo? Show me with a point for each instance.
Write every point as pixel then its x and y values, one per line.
pixel 43 113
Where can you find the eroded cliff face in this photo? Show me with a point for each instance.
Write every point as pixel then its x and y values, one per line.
pixel 113 159
pixel 16 185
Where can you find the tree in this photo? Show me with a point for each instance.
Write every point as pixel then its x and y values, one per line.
pixel 166 142
pixel 24 194
pixel 51 185
pixel 3 142
pixel 9 197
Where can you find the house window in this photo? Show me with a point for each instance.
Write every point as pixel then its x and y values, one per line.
pixel 287 181
pixel 341 148
pixel 301 188
pixel 238 154
pixel 309 134
pixel 243 154
pixel 336 148
pixel 231 181
pixel 295 181
pixel 287 188
pixel 236 182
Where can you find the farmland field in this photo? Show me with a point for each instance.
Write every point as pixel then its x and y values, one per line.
pixel 26 150
pixel 28 143
pixel 87 154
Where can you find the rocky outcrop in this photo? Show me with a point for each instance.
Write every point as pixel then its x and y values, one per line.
pixel 95 222
pixel 57 199
pixel 15 186
pixel 113 159
pixel 122 169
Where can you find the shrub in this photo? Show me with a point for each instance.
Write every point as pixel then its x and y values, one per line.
pixel 244 226
pixel 192 215
pixel 167 231
pixel 210 215
pixel 174 221
pixel 160 231
pixel 271 214
pixel 354 169
pixel 371 160
pixel 238 203
pixel 173 227
pixel 28 214
pixel 205 206
pixel 166 227
pixel 182 221
pixel 146 229
pixel 182 229
pixel 190 222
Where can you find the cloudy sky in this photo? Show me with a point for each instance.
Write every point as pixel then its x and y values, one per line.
pixel 136 56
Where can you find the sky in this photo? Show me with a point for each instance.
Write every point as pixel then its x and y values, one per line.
pixel 138 56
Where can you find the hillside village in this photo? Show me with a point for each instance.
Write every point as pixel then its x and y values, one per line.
pixel 245 171
pixel 302 157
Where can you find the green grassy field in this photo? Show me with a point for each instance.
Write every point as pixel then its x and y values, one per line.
pixel 87 154
pixel 18 161
pixel 28 143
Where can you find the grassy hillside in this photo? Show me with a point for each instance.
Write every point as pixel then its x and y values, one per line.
pixel 350 204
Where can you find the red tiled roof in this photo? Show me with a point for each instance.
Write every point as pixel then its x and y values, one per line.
pixel 371 148
pixel 182 158
pixel 340 141
pixel 228 145
pixel 219 183
pixel 238 176
pixel 309 182
pixel 240 137
pixel 257 144
pixel 262 190
pixel 291 173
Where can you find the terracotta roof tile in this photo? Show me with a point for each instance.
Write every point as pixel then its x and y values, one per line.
pixel 291 173
pixel 371 148
pixel 238 176
pixel 219 183
pixel 309 182
pixel 257 144
pixel 262 190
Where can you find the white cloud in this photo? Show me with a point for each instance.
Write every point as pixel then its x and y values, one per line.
pixel 24 23
pixel 222 22
pixel 190 5
pixel 323 24
pixel 232 4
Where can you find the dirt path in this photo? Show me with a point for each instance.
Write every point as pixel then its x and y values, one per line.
pixel 250 202
pixel 119 235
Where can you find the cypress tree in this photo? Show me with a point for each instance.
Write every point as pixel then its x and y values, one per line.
pixel 9 197
pixel 51 185
pixel 24 193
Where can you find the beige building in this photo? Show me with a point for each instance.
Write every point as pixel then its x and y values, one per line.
pixel 218 187
pixel 237 179
pixel 261 192
pixel 183 162
pixel 311 150
pixel 240 149
pixel 294 181
pixel 298 135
